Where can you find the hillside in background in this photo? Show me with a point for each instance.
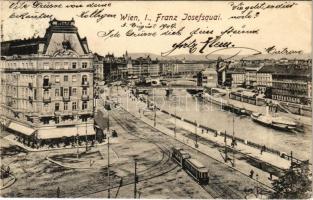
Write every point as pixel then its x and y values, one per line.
pixel 214 57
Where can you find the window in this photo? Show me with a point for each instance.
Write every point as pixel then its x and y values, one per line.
pixel 74 91
pixel 73 78
pixel 84 105
pixel 57 107
pixel 74 64
pixel 84 79
pixel 57 79
pixel 84 91
pixel 65 78
pixel 46 93
pixel 66 65
pixel 57 92
pixel 45 80
pixel 45 65
pixel 65 106
pixel 84 65
pixel 65 91
pixel 74 106
pixel 57 65
pixel 45 107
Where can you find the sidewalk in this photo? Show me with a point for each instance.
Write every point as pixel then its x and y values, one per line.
pixel 240 166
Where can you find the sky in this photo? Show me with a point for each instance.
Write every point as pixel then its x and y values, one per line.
pixel 284 28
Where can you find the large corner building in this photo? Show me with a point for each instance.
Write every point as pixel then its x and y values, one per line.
pixel 47 84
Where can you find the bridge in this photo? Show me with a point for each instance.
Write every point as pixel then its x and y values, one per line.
pixel 169 87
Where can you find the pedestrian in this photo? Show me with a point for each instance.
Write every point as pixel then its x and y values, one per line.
pixel 271 176
pixel 233 143
pixel 251 173
pixel 58 192
pixel 263 149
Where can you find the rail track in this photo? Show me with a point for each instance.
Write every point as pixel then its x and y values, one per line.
pixel 164 166
pixel 215 188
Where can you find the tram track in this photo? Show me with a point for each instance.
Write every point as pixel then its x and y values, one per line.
pixel 218 189
pixel 162 167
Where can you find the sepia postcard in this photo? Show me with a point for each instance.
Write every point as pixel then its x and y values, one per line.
pixel 156 99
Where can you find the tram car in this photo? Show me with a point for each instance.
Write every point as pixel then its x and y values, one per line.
pixel 196 170
pixel 193 167
pixel 179 155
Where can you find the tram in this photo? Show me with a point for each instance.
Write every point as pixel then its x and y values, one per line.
pixel 179 155
pixel 193 167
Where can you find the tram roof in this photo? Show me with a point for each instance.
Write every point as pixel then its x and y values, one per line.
pixel 196 163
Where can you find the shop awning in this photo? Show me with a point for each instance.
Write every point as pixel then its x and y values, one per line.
pixel 21 128
pixel 65 132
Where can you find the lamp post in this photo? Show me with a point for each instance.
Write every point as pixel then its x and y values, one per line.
pixel 135 180
pixel 225 140
pixel 196 131
pixel 233 142
pixel 86 137
pixel 175 101
pixel 108 167
pixel 154 117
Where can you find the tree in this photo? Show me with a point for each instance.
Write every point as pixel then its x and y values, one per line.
pixel 295 184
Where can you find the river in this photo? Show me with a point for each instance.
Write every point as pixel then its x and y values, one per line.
pixel 212 116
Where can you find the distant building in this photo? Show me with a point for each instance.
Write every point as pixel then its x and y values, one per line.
pixel 47 84
pixel 264 78
pixel 115 68
pixel 292 83
pixel 182 68
pixel 167 68
pixel 235 77
pixel 98 67
pixel 251 70
pixel 209 78
pixel 221 67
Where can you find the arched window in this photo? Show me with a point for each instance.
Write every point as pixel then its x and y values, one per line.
pixel 84 79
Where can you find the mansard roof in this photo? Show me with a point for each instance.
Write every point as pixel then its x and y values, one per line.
pixel 31 45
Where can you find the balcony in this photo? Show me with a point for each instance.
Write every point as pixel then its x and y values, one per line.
pixel 66 98
pixel 85 97
pixel 46 99
pixel 47 86
pixel 85 84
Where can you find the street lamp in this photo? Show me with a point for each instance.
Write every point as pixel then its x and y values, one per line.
pixel 108 167
pixel 175 101
pixel 196 131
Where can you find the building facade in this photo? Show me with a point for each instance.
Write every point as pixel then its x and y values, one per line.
pixel 48 84
pixel 264 78
pixel 292 83
pixel 98 61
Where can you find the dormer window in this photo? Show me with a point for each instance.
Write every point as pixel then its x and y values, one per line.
pixel 66 44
